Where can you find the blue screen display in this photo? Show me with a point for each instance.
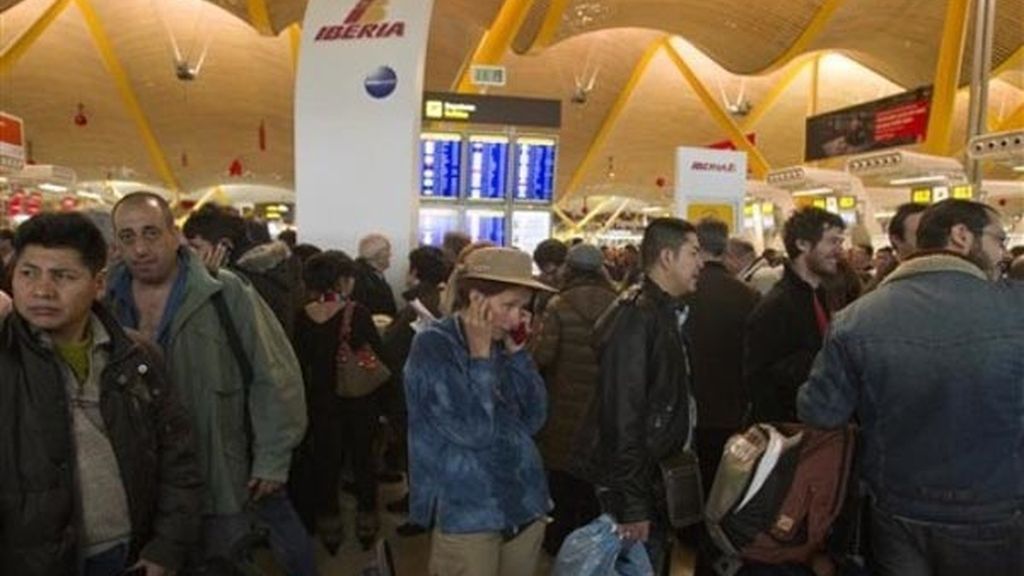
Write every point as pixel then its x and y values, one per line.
pixel 488 167
pixel 441 165
pixel 486 225
pixel 434 223
pixel 535 170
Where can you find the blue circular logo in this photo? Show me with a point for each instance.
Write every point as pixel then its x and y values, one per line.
pixel 381 82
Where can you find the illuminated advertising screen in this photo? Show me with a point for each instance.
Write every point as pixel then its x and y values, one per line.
pixel 441 165
pixel 434 223
pixel 534 175
pixel 486 225
pixel 488 167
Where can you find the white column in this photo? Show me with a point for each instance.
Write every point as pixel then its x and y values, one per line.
pixel 357 123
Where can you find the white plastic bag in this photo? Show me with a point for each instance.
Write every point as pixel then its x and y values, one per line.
pixel 597 550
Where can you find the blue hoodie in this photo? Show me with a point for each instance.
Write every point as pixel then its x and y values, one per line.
pixel 473 464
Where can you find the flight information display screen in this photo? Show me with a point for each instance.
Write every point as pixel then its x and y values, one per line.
pixel 488 167
pixel 534 176
pixel 434 223
pixel 487 225
pixel 441 165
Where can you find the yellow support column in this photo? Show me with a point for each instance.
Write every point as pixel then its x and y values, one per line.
pixel 947 77
pixel 609 121
pixel 17 48
pixel 1014 121
pixel 552 22
pixel 495 41
pixel 769 100
pixel 756 160
pixel 131 101
pixel 295 40
pixel 1014 62
pixel 259 17
pixel 812 100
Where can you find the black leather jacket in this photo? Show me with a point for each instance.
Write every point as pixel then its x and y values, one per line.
pixel 148 429
pixel 641 412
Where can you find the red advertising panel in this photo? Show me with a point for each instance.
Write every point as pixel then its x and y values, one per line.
pixel 898 120
pixel 12 143
pixel 728 145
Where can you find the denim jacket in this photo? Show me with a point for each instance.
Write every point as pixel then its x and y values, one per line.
pixel 932 363
pixel 473 464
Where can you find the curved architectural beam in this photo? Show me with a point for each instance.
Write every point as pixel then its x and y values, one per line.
pixel 495 41
pixel 131 101
pixel 259 17
pixel 1014 63
pixel 757 162
pixel 769 100
pixel 1015 121
pixel 947 77
pixel 611 119
pixel 552 22
pixel 811 33
pixel 17 48
pixel 295 41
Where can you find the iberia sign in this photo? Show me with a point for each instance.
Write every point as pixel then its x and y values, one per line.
pixel 368 20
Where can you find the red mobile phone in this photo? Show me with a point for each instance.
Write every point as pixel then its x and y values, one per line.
pixel 519 335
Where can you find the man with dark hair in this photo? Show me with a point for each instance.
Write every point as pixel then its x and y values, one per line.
pixel 98 470
pixel 237 371
pixel 755 271
pixel 222 238
pixel 642 412
pixel 289 237
pixel 903 237
pixel 931 363
pixel 786 328
pixel 549 256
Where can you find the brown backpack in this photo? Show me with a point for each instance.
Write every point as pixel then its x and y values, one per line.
pixel 778 490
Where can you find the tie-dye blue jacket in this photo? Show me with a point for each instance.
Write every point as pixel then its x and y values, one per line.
pixel 473 465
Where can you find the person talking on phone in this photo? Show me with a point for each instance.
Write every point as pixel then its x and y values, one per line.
pixel 475 399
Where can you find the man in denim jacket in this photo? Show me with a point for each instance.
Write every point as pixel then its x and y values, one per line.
pixel 932 363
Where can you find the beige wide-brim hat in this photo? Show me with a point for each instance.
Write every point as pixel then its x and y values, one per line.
pixel 505 265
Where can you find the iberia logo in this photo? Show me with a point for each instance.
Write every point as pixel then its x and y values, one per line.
pixel 699 166
pixel 368 20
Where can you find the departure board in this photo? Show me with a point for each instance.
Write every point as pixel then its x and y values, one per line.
pixel 534 176
pixel 486 225
pixel 488 167
pixel 441 165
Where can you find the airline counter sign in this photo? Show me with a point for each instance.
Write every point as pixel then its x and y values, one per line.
pixel 367 21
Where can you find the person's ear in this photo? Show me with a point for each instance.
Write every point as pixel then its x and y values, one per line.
pixel 100 282
pixel 961 239
pixel 804 246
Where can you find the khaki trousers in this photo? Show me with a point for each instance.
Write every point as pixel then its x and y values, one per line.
pixel 486 554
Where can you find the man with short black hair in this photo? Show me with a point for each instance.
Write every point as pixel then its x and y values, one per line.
pixel 902 236
pixel 932 365
pixel 785 330
pixel 6 257
pixel 549 256
pixel 98 472
pixel 642 410
pixel 238 374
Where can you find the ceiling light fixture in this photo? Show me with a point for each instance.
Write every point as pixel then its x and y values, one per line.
pixel 812 192
pixel 919 180
pixel 47 187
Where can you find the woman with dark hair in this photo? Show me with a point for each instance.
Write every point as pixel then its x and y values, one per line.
pixel 475 399
pixel 337 424
pixel 565 356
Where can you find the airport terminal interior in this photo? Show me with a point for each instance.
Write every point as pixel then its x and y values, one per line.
pixel 354 124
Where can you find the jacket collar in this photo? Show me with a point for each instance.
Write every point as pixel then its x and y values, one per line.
pixel 120 344
pixel 661 298
pixel 934 262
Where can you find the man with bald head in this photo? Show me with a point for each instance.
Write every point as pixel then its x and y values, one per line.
pixel 372 289
pixel 236 370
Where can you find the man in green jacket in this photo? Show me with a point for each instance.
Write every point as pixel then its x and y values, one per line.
pixel 236 370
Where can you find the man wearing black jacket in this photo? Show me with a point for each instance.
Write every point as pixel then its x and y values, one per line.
pixel 98 471
pixel 372 289
pixel 643 410
pixel 786 329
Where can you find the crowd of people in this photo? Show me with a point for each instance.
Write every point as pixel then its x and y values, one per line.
pixel 165 401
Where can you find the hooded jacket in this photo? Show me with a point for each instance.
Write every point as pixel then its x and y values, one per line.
pixel 148 429
pixel 276 274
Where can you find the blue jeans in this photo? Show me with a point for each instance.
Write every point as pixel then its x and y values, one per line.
pixel 108 563
pixel 289 542
pixel 904 547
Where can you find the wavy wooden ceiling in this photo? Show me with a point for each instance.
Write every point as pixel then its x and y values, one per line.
pixel 202 126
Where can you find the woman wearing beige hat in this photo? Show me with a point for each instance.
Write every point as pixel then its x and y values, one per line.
pixel 475 400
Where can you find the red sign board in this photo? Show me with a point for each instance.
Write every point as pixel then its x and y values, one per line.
pixel 12 143
pixel 728 144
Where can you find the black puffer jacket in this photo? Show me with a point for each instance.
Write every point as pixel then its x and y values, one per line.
pixel 276 274
pixel 148 429
pixel 641 413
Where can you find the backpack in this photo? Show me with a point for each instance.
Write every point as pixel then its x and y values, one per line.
pixel 778 490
